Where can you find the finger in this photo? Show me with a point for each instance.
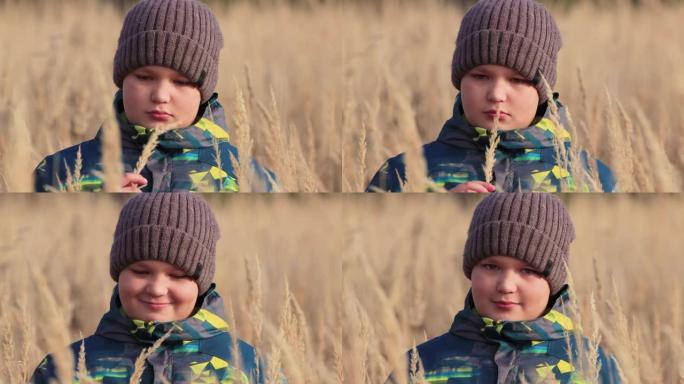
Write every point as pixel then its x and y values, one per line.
pixel 135 178
pixel 477 187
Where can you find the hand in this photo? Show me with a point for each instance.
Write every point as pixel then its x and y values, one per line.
pixel 474 187
pixel 132 182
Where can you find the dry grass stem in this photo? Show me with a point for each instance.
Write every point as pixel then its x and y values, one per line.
pixel 139 366
pixel 490 152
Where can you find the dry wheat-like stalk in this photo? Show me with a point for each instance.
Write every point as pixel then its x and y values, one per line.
pixel 416 167
pixel 77 168
pixel 149 147
pixel 139 366
pixel 416 373
pixel 563 158
pixel 490 152
pixel 337 357
pixel 232 326
pixel 16 160
pixel 244 141
pixel 112 167
pixel 69 186
pixel 362 155
pixel 277 150
pixel 255 299
pixel 82 372
pixel 8 343
pixel 358 328
pixel 57 333
pixel 666 178
pixel 73 178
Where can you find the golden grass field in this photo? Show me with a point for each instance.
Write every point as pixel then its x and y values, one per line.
pixel 331 91
pixel 370 276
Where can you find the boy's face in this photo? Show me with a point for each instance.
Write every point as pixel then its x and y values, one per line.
pixel 506 288
pixel 488 87
pixel 159 97
pixel 157 291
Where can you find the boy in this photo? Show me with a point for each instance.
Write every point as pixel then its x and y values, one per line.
pixel 515 326
pixel 503 49
pixel 166 68
pixel 163 259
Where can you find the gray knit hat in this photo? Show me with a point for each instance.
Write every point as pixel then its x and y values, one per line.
pixel 179 34
pixel 177 228
pixel 533 227
pixel 518 34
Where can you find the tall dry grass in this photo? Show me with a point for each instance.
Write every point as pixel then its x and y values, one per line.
pixel 335 289
pixel 326 93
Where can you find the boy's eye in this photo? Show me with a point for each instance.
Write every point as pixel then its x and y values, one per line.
pixel 183 82
pixel 490 267
pixel 528 271
pixel 143 77
pixel 180 276
pixel 479 76
pixel 139 272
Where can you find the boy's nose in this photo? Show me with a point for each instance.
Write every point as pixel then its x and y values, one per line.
pixel 497 91
pixel 506 283
pixel 157 286
pixel 161 92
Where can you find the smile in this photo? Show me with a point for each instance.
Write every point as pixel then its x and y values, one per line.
pixel 155 305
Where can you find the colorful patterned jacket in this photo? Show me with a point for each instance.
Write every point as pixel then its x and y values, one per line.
pixel 198 350
pixel 481 350
pixel 184 160
pixel 526 158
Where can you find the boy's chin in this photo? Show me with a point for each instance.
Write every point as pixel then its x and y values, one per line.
pixel 502 126
pixel 155 126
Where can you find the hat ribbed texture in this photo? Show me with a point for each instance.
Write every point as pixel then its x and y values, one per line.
pixel 177 228
pixel 533 227
pixel 518 34
pixel 179 34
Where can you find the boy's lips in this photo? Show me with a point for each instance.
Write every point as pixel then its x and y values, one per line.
pixel 492 113
pixel 160 115
pixel 506 305
pixel 153 305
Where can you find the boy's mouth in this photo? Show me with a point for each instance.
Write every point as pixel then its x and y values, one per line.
pixel 505 305
pixel 154 306
pixel 159 115
pixel 492 113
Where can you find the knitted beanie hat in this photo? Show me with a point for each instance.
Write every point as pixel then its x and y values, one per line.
pixel 179 34
pixel 518 34
pixel 533 227
pixel 177 228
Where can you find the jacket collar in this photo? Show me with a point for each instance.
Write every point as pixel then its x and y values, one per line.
pixel 207 321
pixel 553 325
pixel 540 135
pixel 210 127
